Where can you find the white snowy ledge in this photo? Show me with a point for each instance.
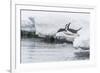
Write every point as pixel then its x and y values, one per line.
pixel 83 40
pixel 68 36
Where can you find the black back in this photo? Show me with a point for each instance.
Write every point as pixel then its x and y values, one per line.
pixel 68 28
pixel 72 30
pixel 60 30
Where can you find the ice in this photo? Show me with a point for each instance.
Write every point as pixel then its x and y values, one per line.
pixel 83 39
pixel 48 23
pixel 35 50
pixel 68 36
pixel 27 25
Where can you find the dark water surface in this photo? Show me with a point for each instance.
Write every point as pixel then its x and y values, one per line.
pixel 36 50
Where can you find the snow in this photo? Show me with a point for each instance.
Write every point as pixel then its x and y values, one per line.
pixel 27 25
pixel 83 39
pixel 48 23
pixel 66 35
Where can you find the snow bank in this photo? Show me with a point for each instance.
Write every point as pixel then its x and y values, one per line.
pixel 68 36
pixel 27 25
pixel 83 39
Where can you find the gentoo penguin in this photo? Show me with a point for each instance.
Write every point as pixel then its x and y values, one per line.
pixel 67 28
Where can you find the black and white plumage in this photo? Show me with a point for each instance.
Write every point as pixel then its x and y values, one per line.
pixel 72 30
pixel 67 28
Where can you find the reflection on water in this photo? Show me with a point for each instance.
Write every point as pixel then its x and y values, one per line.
pixel 36 50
